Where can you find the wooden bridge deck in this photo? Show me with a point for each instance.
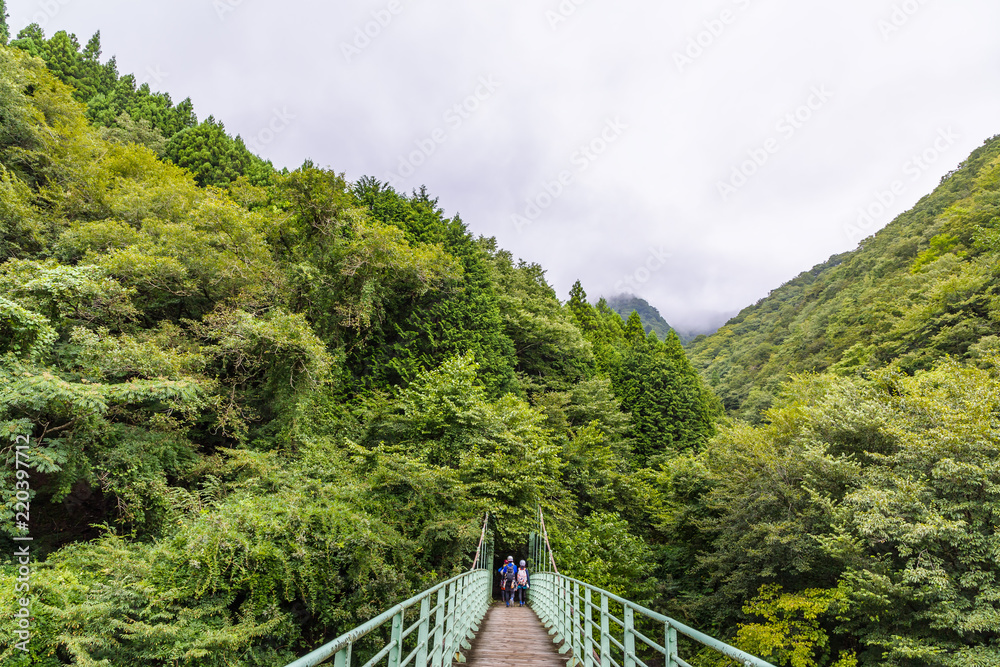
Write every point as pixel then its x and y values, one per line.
pixel 513 637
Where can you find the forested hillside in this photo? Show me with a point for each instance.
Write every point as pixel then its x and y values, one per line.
pixel 131 112
pixel 923 288
pixel 262 406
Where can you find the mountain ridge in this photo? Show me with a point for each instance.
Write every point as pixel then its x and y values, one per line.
pixel 921 288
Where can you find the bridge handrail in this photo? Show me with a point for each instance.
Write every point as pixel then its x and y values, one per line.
pixel 461 603
pixel 571 619
pixel 453 625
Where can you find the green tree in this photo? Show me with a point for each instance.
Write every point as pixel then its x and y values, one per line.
pixel 791 632
pixel 4 28
pixel 671 409
pixel 211 155
pixel 551 353
pixel 634 331
pixel 919 290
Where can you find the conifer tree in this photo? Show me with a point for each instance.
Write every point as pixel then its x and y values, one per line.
pixel 4 28
pixel 209 153
pixel 634 333
pixel 582 311
pixel 670 407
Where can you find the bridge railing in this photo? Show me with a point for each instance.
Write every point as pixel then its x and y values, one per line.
pixel 444 618
pixel 442 630
pixel 580 617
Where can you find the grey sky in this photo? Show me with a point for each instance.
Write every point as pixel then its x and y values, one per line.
pixel 592 136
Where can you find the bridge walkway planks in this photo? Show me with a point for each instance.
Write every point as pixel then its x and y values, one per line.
pixel 513 637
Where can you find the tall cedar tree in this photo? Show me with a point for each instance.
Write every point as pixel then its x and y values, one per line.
pixel 654 381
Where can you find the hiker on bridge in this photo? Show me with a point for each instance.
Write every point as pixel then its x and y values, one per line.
pixel 523 581
pixel 508 580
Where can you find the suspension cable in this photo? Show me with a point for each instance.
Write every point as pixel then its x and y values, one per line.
pixel 545 535
pixel 482 538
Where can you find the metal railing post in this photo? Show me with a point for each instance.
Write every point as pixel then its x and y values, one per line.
pixel 629 636
pixel 558 616
pixel 460 618
pixel 588 631
pixel 605 633
pixel 437 656
pixel 564 626
pixel 395 653
pixel 467 611
pixel 343 657
pixel 670 643
pixel 422 633
pixel 576 620
pixel 449 635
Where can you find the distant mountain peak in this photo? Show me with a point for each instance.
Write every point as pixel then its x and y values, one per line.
pixel 624 304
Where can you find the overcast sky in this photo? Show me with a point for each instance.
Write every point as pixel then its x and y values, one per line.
pixel 697 154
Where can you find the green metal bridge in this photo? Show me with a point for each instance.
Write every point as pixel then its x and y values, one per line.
pixel 579 624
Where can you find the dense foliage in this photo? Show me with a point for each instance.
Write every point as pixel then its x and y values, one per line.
pixel 859 523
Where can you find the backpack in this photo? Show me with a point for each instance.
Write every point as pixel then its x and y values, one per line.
pixel 507 582
pixel 522 577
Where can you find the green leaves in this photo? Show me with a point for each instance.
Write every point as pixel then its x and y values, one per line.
pixel 23 333
pixel 498 447
pixel 791 632
pixel 885 493
pixel 604 553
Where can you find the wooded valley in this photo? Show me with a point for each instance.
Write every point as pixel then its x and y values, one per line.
pixel 264 405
